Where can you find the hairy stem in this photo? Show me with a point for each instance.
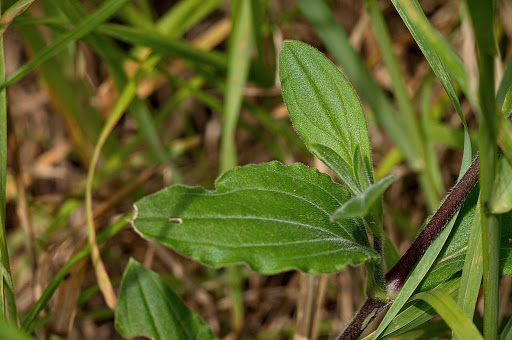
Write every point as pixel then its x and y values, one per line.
pixel 363 318
pixel 395 278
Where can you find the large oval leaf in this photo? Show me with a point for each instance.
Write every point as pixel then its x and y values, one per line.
pixel 148 307
pixel 269 216
pixel 325 110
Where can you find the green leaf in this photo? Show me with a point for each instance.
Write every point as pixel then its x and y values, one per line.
pixel 324 107
pixel 334 161
pixel 271 217
pixel 148 307
pixel 360 205
pixel 501 198
pixel 451 313
pixel 337 43
pixel 506 244
pixel 505 136
pixel 9 330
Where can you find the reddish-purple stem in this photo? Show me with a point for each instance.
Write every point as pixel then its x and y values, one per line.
pixel 395 278
pixel 363 318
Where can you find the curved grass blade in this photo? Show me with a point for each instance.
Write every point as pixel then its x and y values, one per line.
pixel 13 11
pixel 451 313
pixel 413 16
pixel 101 274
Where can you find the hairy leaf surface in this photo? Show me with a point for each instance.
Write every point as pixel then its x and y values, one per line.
pixel 360 205
pixel 269 216
pixel 325 110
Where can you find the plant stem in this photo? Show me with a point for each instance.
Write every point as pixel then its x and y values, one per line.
pixel 487 135
pixel 395 278
pixel 363 318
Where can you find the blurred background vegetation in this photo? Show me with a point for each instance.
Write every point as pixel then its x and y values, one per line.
pixel 197 83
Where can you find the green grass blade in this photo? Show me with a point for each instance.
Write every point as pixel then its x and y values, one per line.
pixel 238 69
pixel 125 98
pixel 138 109
pixel 100 15
pixel 184 15
pixel 453 63
pixel 482 17
pixel 417 23
pixel 506 333
pixel 472 272
pixel 6 291
pixel 505 84
pixel 161 43
pixel 451 313
pixel 133 16
pixel 430 176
